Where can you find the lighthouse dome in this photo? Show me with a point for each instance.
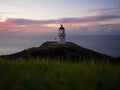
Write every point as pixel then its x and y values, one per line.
pixel 61 28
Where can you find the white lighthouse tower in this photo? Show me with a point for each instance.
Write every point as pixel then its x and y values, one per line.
pixel 61 35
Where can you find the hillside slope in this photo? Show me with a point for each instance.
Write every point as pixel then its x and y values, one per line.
pixel 52 50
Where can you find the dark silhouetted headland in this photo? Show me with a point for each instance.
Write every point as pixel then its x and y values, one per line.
pixel 65 52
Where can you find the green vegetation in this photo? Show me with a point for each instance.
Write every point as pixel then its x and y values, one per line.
pixel 55 75
pixel 54 66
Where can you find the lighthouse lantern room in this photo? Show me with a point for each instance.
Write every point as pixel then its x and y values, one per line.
pixel 61 35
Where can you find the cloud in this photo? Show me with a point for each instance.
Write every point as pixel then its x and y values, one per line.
pixel 98 29
pixel 90 18
pixel 28 21
pixel 109 27
pixel 102 10
pixel 66 20
pixel 78 25
pixel 8 13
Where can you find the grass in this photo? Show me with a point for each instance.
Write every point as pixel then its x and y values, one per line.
pixel 45 75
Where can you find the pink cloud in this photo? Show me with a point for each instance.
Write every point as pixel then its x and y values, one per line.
pixel 103 10
pixel 91 23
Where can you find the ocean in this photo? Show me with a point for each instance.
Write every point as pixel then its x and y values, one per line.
pixel 106 44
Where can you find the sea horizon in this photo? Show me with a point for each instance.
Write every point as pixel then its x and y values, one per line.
pixel 105 44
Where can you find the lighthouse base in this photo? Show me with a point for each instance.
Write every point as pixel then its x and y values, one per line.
pixel 61 40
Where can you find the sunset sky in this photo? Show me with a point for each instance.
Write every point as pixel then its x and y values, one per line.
pixel 45 16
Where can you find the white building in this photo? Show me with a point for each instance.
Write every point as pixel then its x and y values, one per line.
pixel 61 35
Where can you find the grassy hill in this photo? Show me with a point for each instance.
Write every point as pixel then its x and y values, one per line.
pixel 40 68
pixel 63 52
pixel 45 75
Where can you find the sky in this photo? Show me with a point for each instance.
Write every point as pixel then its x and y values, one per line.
pixel 45 16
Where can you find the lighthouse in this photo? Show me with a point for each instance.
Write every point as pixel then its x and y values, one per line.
pixel 61 35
